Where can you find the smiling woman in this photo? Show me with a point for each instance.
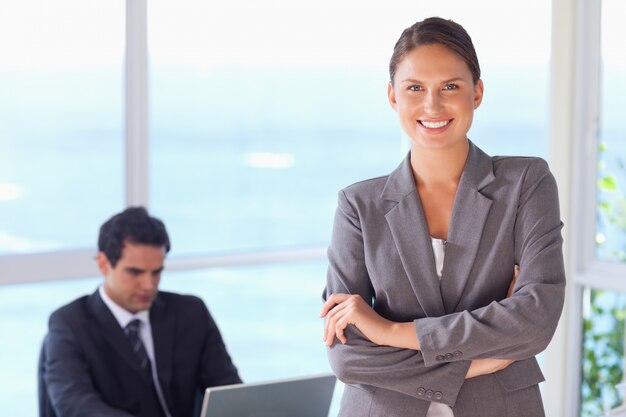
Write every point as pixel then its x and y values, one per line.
pixel 423 263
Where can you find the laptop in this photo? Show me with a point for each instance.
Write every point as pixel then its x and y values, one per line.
pixel 307 396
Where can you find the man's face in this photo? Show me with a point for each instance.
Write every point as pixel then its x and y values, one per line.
pixel 134 280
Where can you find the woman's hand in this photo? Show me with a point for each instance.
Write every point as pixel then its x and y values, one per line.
pixel 513 281
pixel 486 366
pixel 341 310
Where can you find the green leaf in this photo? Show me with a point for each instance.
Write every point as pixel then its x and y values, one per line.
pixel 607 183
pixel 604 206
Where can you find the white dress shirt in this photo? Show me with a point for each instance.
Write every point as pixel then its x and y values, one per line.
pixel 124 317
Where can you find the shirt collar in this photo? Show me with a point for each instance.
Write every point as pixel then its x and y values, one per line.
pixel 122 315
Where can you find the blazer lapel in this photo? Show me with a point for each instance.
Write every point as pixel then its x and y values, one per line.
pixel 469 214
pixel 410 234
pixel 163 324
pixel 112 333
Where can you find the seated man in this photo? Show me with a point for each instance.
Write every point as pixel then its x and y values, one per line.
pixel 129 349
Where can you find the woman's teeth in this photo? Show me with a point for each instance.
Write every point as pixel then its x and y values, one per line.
pixel 434 125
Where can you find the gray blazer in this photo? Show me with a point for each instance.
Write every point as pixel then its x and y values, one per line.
pixel 505 212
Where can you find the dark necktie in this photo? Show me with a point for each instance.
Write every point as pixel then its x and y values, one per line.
pixel 132 331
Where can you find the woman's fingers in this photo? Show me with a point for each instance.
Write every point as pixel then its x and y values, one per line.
pixel 487 366
pixel 329 323
pixel 335 324
pixel 337 310
pixel 340 325
pixel 332 301
pixel 513 281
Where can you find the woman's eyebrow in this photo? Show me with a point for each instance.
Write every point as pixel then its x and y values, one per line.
pixel 414 81
pixel 455 79
pixel 411 80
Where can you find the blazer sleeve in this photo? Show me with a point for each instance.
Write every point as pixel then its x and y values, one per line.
pixel 522 325
pixel 217 366
pixel 66 374
pixel 360 361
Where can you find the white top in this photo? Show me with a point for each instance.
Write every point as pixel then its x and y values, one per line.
pixel 439 249
pixel 124 317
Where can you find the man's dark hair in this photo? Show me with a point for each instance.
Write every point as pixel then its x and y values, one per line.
pixel 133 225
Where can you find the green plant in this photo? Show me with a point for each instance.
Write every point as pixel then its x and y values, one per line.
pixel 603 352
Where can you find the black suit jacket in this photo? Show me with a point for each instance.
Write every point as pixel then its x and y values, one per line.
pixel 90 368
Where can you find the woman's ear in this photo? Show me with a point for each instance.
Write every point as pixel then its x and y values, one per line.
pixel 479 89
pixel 391 94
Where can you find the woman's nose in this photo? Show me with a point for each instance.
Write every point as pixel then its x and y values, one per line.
pixel 432 102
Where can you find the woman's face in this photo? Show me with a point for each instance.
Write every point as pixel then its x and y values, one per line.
pixel 435 97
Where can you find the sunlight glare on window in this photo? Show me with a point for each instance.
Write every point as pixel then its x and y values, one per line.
pixel 270 160
pixel 33 34
pixel 613 13
pixel 10 192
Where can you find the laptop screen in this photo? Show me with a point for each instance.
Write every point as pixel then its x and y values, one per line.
pixel 308 396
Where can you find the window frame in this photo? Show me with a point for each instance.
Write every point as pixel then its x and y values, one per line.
pixel 585 269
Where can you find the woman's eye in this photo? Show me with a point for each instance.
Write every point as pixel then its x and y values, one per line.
pixel 450 86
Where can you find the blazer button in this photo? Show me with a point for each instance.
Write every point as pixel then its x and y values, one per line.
pixel 438 395
pixel 449 356
pixel 421 391
pixel 458 354
pixel 430 393
pixel 440 358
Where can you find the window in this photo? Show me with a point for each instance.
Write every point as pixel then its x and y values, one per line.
pixel 599 309
pixel 268 315
pixel 24 310
pixel 611 228
pixel 604 313
pixel 261 113
pixel 60 122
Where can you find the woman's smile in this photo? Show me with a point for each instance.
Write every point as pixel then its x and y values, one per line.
pixel 435 126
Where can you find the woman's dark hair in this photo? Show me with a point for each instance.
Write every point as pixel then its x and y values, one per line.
pixel 133 225
pixel 436 30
